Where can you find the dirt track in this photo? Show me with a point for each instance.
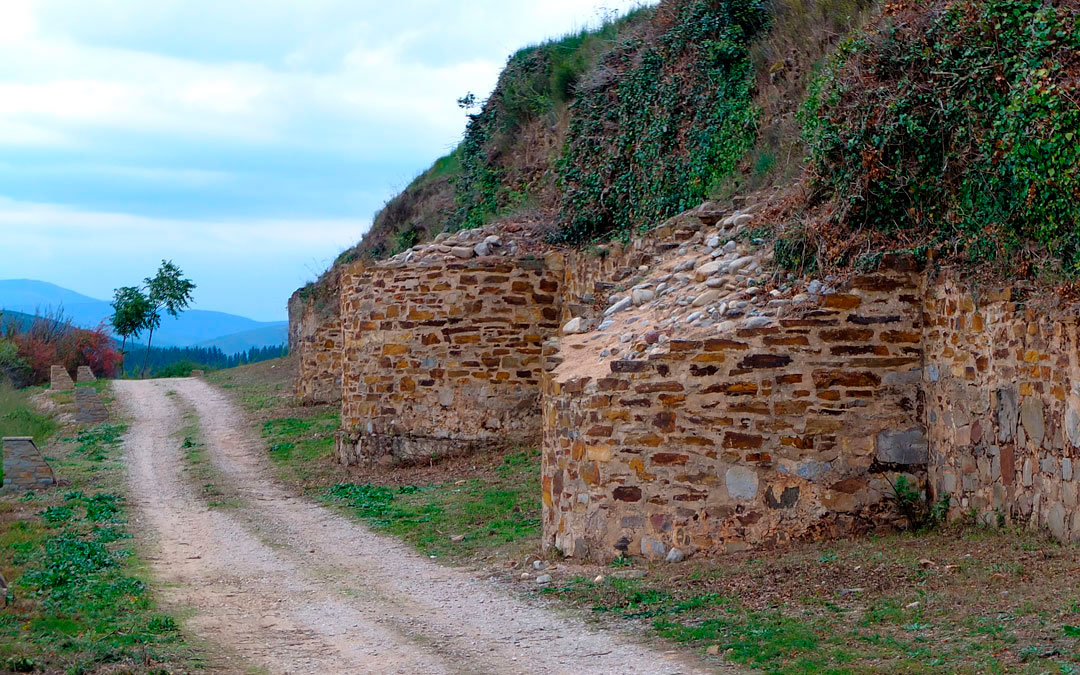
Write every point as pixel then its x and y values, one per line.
pixel 280 583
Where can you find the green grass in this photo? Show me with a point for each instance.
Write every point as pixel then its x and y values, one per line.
pixel 455 519
pixel 18 417
pixel 81 597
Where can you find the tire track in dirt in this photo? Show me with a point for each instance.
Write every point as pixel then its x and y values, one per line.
pixel 285 584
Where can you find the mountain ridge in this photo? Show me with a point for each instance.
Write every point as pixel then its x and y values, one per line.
pixel 192 328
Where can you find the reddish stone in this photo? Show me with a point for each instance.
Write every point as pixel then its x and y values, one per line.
pixel 847 335
pixel 737 441
pixel 627 493
pixel 653 387
pixel 669 459
pixel 1008 466
pixel 765 361
pixel 719 345
pixel 824 379
pixel 665 421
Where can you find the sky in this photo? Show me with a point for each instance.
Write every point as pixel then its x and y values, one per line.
pixel 249 141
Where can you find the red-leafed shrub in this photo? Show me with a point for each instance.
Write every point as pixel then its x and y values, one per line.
pixel 52 340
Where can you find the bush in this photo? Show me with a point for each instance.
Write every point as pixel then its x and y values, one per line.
pixel 673 127
pixel 954 122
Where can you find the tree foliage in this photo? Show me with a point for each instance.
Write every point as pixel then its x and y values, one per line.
pixel 956 124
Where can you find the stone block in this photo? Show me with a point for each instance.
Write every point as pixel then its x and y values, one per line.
pixel 907 447
pixel 89 409
pixel 60 379
pixel 84 374
pixel 742 483
pixel 1031 415
pixel 24 466
pixel 1008 413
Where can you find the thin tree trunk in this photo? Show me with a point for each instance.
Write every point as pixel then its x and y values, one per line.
pixel 123 356
pixel 149 341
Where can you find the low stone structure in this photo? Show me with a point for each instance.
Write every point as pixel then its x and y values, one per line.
pixel 84 374
pixel 444 357
pixel 89 408
pixel 198 373
pixel 60 379
pixel 792 428
pixel 316 339
pixel 24 466
pixel 1003 406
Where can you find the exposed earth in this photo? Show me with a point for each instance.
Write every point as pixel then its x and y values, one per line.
pixel 277 582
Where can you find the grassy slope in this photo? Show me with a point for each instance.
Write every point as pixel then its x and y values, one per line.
pixel 960 599
pixel 463 510
pixel 82 601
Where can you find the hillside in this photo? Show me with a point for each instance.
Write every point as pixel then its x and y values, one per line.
pixel 191 328
pixel 948 126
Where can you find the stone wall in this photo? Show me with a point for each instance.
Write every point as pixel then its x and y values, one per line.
pixel 60 379
pixel 315 338
pixel 85 374
pixel 444 356
pixel 1003 406
pixel 777 432
pixel 89 408
pixel 24 467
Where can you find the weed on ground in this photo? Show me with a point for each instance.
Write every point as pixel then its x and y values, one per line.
pixel 79 601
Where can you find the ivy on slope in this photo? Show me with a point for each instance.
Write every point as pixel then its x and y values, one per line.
pixel 955 123
pixel 675 121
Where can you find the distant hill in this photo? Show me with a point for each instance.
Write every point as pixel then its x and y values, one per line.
pixel 193 327
pixel 274 334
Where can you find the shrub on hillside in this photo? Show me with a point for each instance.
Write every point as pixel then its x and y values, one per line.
pixel 956 124
pixel 52 340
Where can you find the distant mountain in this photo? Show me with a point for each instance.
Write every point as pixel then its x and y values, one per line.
pixel 193 327
pixel 274 334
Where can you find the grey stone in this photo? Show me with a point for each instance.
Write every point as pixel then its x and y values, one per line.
pixel 1056 520
pixel 758 322
pixel 730 246
pixel 812 469
pixel 539 565
pixel 1031 415
pixel 742 482
pixel 652 549
pixel 24 466
pixel 543 579
pixel 1027 473
pixel 933 372
pixel 1048 465
pixel 1066 469
pixel 908 446
pixel 641 296
pixel 575 326
pixel 675 556
pixel 1072 425
pixel 604 325
pixel 1007 413
pixel 621 305
pixel 88 407
pixel 482 249
pixel 463 252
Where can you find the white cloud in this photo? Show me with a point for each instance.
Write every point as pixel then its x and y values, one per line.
pixel 135 112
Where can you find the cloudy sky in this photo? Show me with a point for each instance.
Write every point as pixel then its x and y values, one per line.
pixel 248 140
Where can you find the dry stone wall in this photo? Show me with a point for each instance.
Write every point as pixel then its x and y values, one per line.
pixel 750 439
pixel 1002 387
pixel 84 374
pixel 24 467
pixel 444 356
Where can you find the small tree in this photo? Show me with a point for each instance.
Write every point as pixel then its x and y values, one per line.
pixel 131 309
pixel 167 291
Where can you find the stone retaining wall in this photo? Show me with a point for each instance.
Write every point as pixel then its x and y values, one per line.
pixel 320 364
pixel 60 379
pixel 1003 406
pixel 747 440
pixel 444 356
pixel 24 467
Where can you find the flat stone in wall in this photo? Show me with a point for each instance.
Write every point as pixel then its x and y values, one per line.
pixel 89 408
pixel 60 379
pixel 24 467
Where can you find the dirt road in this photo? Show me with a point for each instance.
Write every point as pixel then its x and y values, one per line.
pixel 277 582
